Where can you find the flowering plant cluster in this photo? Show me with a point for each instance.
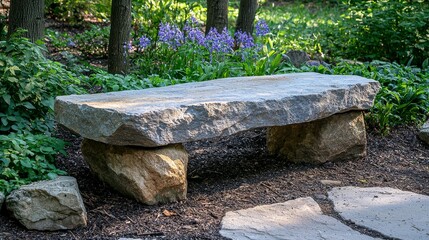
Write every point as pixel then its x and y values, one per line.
pixel 189 53
pixel 214 41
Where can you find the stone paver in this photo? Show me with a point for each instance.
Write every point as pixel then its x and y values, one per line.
pixel 296 219
pixel 392 212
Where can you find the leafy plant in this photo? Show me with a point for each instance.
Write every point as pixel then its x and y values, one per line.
pixel 29 83
pixel 389 30
pixel 25 158
pixel 93 42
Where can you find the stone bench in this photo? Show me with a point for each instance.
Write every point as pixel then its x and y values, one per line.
pixel 133 139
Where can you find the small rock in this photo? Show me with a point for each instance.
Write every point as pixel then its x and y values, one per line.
pixel 296 57
pixel 320 197
pixel 424 132
pixel 1 199
pixel 330 182
pixel 48 205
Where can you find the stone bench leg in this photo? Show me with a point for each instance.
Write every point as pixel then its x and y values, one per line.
pixel 338 137
pixel 150 175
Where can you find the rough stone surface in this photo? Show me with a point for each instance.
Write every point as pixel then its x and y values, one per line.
pixel 424 133
pixel 296 219
pixel 48 205
pixel 1 199
pixel 297 57
pixel 392 212
pixel 339 137
pixel 148 175
pixel 193 111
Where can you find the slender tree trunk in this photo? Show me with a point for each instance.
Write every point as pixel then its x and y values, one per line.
pixel 217 15
pixel 28 15
pixel 119 36
pixel 246 16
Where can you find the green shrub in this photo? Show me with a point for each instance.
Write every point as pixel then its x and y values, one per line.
pixel 74 11
pixel 29 84
pixel 25 158
pixel 385 30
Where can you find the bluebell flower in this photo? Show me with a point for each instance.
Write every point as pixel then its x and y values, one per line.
pixel 261 28
pixel 196 35
pixel 170 35
pixel 219 42
pixel 144 42
pixel 244 40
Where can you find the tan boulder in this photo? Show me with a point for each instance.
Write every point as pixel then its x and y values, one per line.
pixel 150 175
pixel 339 137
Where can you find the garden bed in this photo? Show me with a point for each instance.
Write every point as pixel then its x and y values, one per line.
pixel 227 174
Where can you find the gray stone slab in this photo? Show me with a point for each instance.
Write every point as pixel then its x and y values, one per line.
pixel 392 212
pixel 424 132
pixel 297 219
pixel 187 112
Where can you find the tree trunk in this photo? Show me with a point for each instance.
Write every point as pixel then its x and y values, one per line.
pixel 217 15
pixel 246 16
pixel 119 36
pixel 28 15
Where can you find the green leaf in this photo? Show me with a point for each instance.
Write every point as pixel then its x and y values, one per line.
pixel 6 98
pixel 28 105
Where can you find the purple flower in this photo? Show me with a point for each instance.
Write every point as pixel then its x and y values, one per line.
pixel 196 35
pixel 219 42
pixel 144 42
pixel 244 40
pixel 262 28
pixel 171 35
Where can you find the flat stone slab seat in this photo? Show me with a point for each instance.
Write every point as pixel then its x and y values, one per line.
pixel 151 119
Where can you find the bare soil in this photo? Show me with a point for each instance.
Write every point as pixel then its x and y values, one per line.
pixel 232 173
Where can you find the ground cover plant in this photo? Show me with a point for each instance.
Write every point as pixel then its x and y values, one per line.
pixel 168 47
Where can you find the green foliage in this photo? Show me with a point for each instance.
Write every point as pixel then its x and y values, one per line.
pixel 404 94
pixel 28 85
pixel 147 15
pixel 74 11
pixel 25 158
pixel 382 29
pixel 93 42
pixel 57 40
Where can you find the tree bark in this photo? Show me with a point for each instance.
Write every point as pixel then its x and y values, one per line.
pixel 28 15
pixel 246 16
pixel 119 36
pixel 217 15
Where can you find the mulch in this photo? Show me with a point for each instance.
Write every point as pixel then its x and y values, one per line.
pixel 231 173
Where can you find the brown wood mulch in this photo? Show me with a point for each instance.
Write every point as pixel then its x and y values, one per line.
pixel 227 174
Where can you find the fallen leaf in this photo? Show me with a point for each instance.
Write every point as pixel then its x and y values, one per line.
pixel 168 213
